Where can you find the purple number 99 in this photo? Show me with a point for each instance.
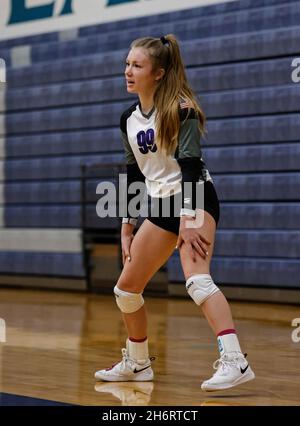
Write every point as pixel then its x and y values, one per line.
pixel 145 141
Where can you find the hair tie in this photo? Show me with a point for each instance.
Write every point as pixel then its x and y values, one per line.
pixel 164 40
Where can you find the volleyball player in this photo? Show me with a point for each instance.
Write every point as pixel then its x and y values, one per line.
pixel 161 134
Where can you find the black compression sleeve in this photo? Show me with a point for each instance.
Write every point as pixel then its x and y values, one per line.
pixel 133 175
pixel 191 169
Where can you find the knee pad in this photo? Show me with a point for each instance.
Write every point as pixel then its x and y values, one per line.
pixel 200 287
pixel 128 302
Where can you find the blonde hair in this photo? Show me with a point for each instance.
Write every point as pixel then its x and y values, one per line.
pixel 164 53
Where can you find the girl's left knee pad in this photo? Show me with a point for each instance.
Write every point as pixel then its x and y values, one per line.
pixel 200 287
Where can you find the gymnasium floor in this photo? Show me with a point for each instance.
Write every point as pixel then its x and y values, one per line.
pixel 56 340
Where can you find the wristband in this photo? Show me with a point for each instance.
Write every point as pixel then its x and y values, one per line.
pixel 129 220
pixel 187 212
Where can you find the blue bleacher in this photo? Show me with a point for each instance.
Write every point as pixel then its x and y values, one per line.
pixel 231 103
pixel 221 132
pixel 50 264
pixel 218 8
pixel 80 117
pixel 38 192
pixel 215 9
pixel 43 216
pixel 53 168
pixel 259 186
pixel 241 21
pixel 50 144
pixel 246 271
pixel 237 159
pixel 258 243
pixel 254 130
pixel 63 111
pixel 260 215
pixel 245 77
pixel 219 51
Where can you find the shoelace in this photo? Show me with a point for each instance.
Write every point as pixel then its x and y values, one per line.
pixel 125 358
pixel 224 363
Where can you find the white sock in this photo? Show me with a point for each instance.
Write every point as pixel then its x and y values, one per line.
pixel 228 343
pixel 138 351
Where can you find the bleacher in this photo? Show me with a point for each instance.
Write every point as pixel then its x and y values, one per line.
pixel 61 111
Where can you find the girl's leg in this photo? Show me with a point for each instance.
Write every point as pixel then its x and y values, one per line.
pixel 233 368
pixel 150 249
pixel 216 308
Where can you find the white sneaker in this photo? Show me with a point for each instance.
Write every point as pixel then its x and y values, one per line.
pixel 128 393
pixel 127 370
pixel 232 370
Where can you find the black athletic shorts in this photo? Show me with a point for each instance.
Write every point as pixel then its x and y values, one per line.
pixel 172 223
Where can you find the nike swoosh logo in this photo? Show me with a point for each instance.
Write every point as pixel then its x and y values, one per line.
pixel 142 369
pixel 244 369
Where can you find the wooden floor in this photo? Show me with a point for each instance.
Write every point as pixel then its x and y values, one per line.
pixel 55 341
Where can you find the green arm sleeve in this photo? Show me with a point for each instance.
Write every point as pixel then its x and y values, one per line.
pixel 189 138
pixel 129 155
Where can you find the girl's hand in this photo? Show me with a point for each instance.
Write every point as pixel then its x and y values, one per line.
pixel 193 239
pixel 126 240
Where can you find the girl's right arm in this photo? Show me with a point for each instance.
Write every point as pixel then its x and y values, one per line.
pixel 126 240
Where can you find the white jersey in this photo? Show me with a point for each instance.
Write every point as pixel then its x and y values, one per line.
pixel 163 175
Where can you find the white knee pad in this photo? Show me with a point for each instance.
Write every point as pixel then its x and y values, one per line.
pixel 128 302
pixel 200 287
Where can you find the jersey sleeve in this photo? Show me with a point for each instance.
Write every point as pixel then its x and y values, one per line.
pixel 189 134
pixel 189 157
pixel 129 155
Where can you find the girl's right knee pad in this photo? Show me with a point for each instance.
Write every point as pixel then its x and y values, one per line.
pixel 200 287
pixel 128 302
